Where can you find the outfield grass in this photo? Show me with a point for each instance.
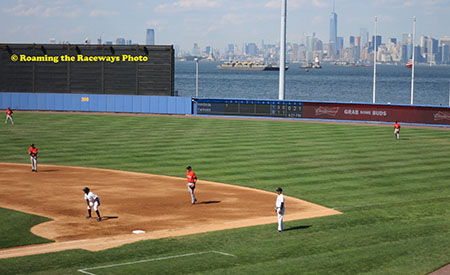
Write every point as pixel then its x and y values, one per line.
pixel 394 194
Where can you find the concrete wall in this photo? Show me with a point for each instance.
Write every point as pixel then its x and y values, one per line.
pixel 96 103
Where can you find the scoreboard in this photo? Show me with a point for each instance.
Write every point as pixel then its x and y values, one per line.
pixel 242 107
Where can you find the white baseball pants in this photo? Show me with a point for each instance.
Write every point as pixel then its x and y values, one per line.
pixel 10 118
pixel 280 220
pixel 191 191
pixel 33 163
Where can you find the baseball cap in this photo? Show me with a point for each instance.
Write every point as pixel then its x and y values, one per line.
pixel 279 189
pixel 188 167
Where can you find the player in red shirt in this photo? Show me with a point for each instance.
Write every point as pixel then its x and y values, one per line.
pixel 192 180
pixel 32 151
pixel 397 130
pixel 9 113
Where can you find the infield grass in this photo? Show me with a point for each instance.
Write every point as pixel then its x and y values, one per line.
pixel 14 228
pixel 394 194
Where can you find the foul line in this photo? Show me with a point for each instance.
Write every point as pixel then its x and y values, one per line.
pixel 83 270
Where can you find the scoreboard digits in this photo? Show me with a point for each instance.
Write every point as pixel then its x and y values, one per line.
pixel 268 108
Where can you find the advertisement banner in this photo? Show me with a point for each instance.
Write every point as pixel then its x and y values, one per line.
pixel 369 112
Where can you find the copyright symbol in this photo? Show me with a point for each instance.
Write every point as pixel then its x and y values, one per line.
pixel 14 58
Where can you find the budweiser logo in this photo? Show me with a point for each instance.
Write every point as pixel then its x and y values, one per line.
pixel 332 111
pixel 441 116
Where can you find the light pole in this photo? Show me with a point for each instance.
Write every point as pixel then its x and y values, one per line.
pixel 196 77
pixel 374 61
pixel 282 49
pixel 413 61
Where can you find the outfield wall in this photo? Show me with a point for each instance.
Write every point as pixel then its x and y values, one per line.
pixel 96 103
pixel 323 110
pixel 213 106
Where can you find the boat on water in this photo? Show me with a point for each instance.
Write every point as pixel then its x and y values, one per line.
pixel 309 65
pixel 351 64
pixel 341 63
pixel 248 66
pixel 316 64
pixel 306 65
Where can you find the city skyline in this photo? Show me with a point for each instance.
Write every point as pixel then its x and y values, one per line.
pixel 214 22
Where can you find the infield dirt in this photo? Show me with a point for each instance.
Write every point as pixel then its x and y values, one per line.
pixel 158 205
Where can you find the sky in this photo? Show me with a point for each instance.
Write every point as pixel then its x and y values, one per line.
pixel 214 22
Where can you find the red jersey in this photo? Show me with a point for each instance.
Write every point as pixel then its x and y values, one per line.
pixel 397 125
pixel 191 177
pixel 9 112
pixel 33 151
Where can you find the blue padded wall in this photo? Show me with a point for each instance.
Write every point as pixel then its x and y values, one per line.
pixel 96 103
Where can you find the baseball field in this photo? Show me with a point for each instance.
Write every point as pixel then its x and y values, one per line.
pixel 393 194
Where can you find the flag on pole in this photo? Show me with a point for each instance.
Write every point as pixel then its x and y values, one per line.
pixel 409 64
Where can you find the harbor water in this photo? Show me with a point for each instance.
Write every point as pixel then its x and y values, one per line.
pixel 330 83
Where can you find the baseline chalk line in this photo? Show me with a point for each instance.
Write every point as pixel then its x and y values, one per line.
pixel 83 270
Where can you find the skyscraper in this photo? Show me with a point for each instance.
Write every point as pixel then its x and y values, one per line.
pixel 251 49
pixel 404 53
pixel 444 43
pixel 358 41
pixel 406 38
pixel 339 45
pixel 309 43
pixel 208 50
pixel 352 41
pixel 150 37
pixel 378 41
pixel 120 41
pixel 432 49
pixel 423 44
pixel 392 41
pixel 333 33
pixel 445 49
pixel 196 50
pixel 230 49
pixel 357 49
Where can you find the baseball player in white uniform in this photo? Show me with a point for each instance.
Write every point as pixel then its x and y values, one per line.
pixel 279 208
pixel 92 201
